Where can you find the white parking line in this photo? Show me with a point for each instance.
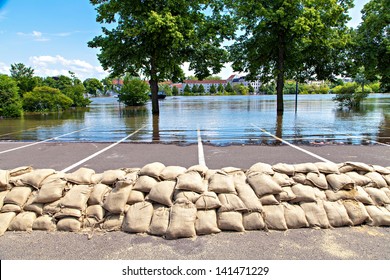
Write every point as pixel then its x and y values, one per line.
pixel 101 151
pixel 292 146
pixel 40 142
pixel 200 150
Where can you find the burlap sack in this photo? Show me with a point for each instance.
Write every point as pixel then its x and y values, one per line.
pixel 210 173
pixel 380 169
pixel 327 167
pixel 135 197
pixel 262 168
pixel 299 178
pixel 191 181
pixel 356 212
pixel 110 177
pixel 377 179
pixel 145 184
pixel 387 179
pixel 138 217
pixel 337 214
pixel 162 192
pixel 191 196
pixel 230 221
pixel 18 196
pixel 263 184
pixel 287 194
pixel 358 194
pixel 385 190
pixel 11 208
pixel 319 194
pixel 20 171
pixel 201 169
pixel 77 197
pixel 52 208
pixel 306 168
pixel 206 222
pixel 231 170
pixel 249 198
pixel 282 179
pixel 98 194
pixel 231 202
pixel 380 216
pixel 160 220
pixel 33 178
pixel 116 200
pixel 31 206
pixel 4 179
pixel 354 166
pixel 23 222
pixel 51 191
pixel 69 224
pixel 45 223
pixel 360 180
pixel 82 176
pixel 317 180
pixel 303 193
pixel 274 217
pixel 295 216
pixel 95 211
pixel 239 178
pixel 315 214
pixel 182 220
pixel 270 199
pixel 2 196
pixel 171 172
pixel 207 201
pixel 284 168
pixel 253 221
pixel 68 212
pixel 378 196
pixel 5 221
pixel 340 182
pixel 113 222
pixel 152 169
pixel 221 182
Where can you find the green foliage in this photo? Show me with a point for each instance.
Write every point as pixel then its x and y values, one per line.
pixel 313 89
pixel 201 89
pixel 220 88
pixel 134 92
pixel 166 89
pixel 289 87
pixel 76 93
pixel 268 89
pixel 213 89
pixel 348 95
pixel 376 87
pixel 195 88
pixel 60 82
pixel 10 102
pixel 92 85
pixel 240 89
pixel 251 89
pixel 213 78
pixel 24 77
pixel 187 89
pixel 45 99
pixel 175 91
pixel 107 85
pixel 229 88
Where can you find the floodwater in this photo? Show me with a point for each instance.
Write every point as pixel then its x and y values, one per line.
pixel 221 120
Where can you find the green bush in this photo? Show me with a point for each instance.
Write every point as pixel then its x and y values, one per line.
pixel 10 102
pixel 375 87
pixel 46 99
pixel 313 89
pixel 134 92
pixel 76 93
pixel 348 95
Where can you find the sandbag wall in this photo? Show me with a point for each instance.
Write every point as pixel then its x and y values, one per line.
pixel 176 202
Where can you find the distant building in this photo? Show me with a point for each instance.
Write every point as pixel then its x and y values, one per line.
pixel 242 80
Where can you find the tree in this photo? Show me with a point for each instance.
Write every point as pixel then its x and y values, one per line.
pixel 46 99
pixel 251 90
pixel 175 91
pixel 92 85
pixel 275 32
pixel 166 89
pixel 220 88
pixel 154 38
pixel 24 77
pixel 229 88
pixel 213 78
pixel 107 85
pixel 134 91
pixel 77 94
pixel 240 89
pixel 348 96
pixel 372 43
pixel 195 88
pixel 10 102
pixel 201 89
pixel 213 90
pixel 187 89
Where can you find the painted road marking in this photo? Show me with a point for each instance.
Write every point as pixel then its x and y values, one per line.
pixel 101 151
pixel 40 142
pixel 292 146
pixel 200 150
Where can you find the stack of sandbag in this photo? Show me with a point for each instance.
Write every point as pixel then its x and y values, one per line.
pixel 176 202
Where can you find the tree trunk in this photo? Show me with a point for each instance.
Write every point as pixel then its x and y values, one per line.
pixel 154 89
pixel 280 72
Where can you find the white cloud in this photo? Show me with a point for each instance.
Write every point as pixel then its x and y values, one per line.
pixel 46 65
pixel 36 35
pixel 4 68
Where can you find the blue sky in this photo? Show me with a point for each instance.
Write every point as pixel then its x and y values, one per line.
pixel 51 36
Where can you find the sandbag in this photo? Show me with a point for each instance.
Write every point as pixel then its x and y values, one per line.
pixel 51 208
pixel 45 223
pixel 191 181
pixel 262 168
pixel 282 179
pixel 358 194
pixel 270 199
pixel 327 167
pixel 2 196
pixel 191 196
pixel 182 220
pixel 249 198
pixel 378 196
pixel 160 220
pixel 221 182
pixel 315 214
pixel 210 173
pixel 206 222
pixel 11 208
pixel 69 224
pixel 82 176
pixel 171 172
pixel 68 212
pixel 287 194
pixel 18 196
pixel 230 221
pixel 116 200
pixel 299 178
pixel 387 179
pixel 356 212
pixel 319 194
pixel 337 214
pixel 360 180
pixel 4 179
pixel 20 171
pixel 385 190
pixel 354 166
pixel 253 221
pixel 340 182
pixel 95 211
pixel 380 169
pixel 145 184
pixel 295 216
pixel 317 180
pixel 207 201
pixel 31 206
pixel 306 168
pixel 51 191
pixel 274 217
pixel 152 169
pixel 98 194
pixel 201 169
pixel 77 197
pixel 380 216
pixel 284 168
pixel 377 179
pixel 138 217
pixel 113 222
pixel 162 192
pixel 303 193
pixel 231 202
pixel 110 177
pixel 5 221
pixel 33 178
pixel 232 170
pixel 135 197
pixel 263 184
pixel 23 222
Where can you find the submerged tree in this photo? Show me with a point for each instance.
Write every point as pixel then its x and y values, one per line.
pixel 154 38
